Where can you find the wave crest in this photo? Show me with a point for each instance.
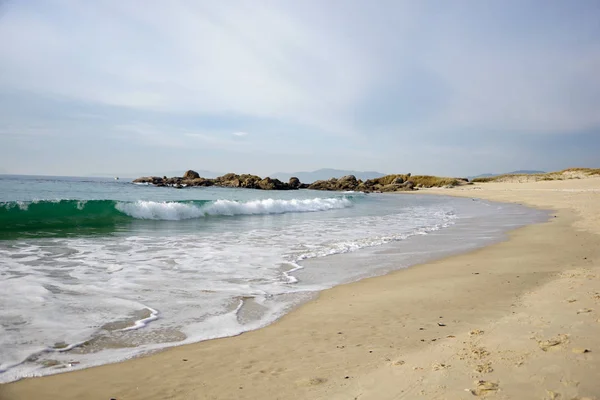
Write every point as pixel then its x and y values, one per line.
pixel 172 211
pixel 168 211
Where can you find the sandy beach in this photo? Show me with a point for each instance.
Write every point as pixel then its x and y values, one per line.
pixel 515 320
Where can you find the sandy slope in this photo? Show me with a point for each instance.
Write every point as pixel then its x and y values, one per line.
pixel 516 320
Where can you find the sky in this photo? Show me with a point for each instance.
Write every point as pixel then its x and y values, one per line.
pixel 429 87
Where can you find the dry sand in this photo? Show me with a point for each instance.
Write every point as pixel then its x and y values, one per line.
pixel 516 320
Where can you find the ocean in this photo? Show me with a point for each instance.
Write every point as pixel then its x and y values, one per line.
pixel 94 271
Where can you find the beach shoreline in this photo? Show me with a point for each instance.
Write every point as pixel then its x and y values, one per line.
pixel 409 332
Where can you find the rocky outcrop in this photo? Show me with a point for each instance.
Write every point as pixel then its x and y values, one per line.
pixel 155 180
pixel 388 183
pixel 192 178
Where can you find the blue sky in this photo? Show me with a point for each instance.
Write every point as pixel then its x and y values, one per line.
pixel 432 87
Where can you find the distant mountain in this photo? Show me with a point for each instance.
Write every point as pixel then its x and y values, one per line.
pixel 325 173
pixel 521 171
pixel 527 171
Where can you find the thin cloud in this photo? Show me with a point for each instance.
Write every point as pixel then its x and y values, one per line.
pixel 310 76
pixel 288 61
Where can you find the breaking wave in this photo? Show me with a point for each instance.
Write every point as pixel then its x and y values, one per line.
pixel 47 215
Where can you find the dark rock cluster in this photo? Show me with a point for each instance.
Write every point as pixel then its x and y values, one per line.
pixel 192 178
pixel 388 183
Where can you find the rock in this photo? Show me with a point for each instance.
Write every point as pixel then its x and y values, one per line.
pixel 347 182
pixel 294 182
pixel 266 184
pixel 272 184
pixel 389 188
pixel 321 185
pixel 409 185
pixel 388 183
pixel 147 179
pixel 175 181
pixel 227 180
pixel 189 174
pixel 200 182
pixel 280 185
pixel 233 180
pixel 249 181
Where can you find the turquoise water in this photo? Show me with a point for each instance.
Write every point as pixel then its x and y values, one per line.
pixel 96 270
pixel 66 206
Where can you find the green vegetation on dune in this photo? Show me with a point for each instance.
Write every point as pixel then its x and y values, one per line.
pixel 389 179
pixel 588 171
pixel 428 181
pixel 569 173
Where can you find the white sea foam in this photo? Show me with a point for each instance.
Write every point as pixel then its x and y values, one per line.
pixel 173 211
pixel 275 206
pixel 140 323
pixel 163 210
pixel 218 278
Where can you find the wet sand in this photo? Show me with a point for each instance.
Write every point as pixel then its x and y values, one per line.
pixel 515 320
